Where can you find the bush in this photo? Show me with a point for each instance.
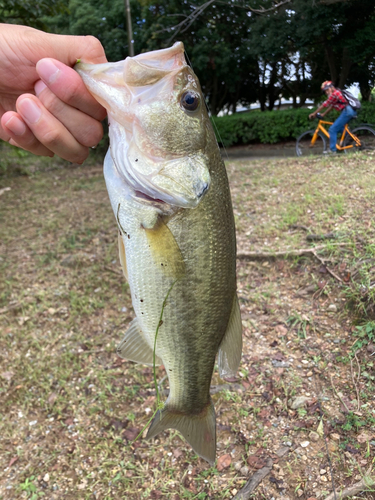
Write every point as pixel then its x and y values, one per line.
pixel 269 127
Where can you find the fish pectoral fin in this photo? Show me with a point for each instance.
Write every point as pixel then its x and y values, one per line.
pixel 122 255
pixel 231 346
pixel 165 250
pixel 135 348
pixel 198 430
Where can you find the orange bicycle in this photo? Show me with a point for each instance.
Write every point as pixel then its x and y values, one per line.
pixel 314 142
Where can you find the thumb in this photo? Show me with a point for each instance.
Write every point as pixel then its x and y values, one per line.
pixel 68 49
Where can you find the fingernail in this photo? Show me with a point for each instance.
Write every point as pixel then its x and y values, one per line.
pixel 16 126
pixel 39 87
pixel 29 110
pixel 47 70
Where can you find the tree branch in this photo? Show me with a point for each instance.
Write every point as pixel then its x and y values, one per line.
pixel 365 484
pixel 285 253
pixel 189 20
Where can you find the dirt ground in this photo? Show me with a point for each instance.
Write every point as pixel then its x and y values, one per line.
pixel 303 402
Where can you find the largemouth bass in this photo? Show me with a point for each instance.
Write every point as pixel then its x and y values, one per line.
pixel 169 192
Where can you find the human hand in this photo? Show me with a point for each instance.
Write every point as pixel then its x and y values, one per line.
pixel 45 107
pixel 312 116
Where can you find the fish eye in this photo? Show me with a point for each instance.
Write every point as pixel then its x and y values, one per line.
pixel 189 101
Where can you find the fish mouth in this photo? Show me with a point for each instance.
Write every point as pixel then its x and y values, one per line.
pixel 140 196
pixel 181 183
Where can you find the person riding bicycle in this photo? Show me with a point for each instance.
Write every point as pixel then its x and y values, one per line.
pixel 337 101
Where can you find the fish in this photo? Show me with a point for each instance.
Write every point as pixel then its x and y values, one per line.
pixel 170 195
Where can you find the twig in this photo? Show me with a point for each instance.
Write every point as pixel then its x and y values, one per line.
pixel 356 382
pixel 364 484
pixel 320 237
pixel 338 395
pixel 300 226
pixel 189 20
pixel 257 478
pixel 328 269
pixel 285 253
pixel 116 271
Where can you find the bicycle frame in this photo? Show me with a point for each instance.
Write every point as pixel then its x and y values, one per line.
pixel 339 145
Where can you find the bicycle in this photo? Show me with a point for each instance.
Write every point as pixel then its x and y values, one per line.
pixel 314 142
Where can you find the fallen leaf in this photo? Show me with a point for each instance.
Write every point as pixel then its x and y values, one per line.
pixel 4 190
pixel 131 433
pixel 52 398
pixel 13 461
pixel 224 462
pixel 177 453
pixel 155 494
pixel 256 462
pixel 320 429
pixel 7 376
pixel 364 437
pixel 281 330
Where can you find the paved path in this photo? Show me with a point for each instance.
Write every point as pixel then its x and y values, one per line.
pixel 259 151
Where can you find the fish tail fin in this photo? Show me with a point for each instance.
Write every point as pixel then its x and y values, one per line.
pixel 198 430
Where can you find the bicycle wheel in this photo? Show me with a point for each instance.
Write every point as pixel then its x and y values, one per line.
pixel 365 134
pixel 304 146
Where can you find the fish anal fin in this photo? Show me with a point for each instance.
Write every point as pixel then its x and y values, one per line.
pixel 165 250
pixel 198 430
pixel 122 255
pixel 135 348
pixel 231 346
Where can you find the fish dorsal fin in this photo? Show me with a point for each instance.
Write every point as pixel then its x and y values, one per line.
pixel 122 255
pixel 231 346
pixel 137 74
pixel 135 348
pixel 199 430
pixel 165 250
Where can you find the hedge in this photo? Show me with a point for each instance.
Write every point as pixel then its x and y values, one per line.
pixel 269 127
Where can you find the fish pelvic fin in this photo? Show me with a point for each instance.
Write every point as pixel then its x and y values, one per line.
pixel 198 430
pixel 135 348
pixel 122 255
pixel 165 250
pixel 231 346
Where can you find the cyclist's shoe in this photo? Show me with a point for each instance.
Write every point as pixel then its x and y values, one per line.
pixel 329 152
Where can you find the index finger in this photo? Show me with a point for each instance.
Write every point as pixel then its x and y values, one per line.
pixel 68 86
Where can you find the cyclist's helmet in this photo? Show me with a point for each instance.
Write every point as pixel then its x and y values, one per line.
pixel 325 85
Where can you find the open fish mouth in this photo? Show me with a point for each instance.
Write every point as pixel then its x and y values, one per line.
pixel 158 125
pixel 181 181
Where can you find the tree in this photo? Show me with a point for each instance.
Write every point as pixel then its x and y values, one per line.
pixel 30 12
pixel 105 19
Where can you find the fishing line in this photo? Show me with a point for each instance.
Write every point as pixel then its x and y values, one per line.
pixel 159 404
pixel 209 112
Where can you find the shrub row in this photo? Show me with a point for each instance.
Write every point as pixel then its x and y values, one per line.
pixel 269 127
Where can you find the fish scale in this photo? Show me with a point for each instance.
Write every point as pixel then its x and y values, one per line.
pixel 177 243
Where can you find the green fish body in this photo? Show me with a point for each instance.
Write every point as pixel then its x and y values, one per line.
pixel 169 191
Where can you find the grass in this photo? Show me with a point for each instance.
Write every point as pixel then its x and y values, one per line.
pixel 70 408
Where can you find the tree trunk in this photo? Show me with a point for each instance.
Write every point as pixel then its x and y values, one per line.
pixel 330 56
pixel 365 91
pixel 345 67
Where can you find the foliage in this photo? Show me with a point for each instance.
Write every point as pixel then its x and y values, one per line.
pixel 365 334
pixel 103 19
pixel 240 55
pixel 273 126
pixel 30 12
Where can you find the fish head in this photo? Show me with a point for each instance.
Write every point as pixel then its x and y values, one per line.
pixel 159 124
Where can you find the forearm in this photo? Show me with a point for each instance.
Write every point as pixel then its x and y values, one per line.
pixel 328 110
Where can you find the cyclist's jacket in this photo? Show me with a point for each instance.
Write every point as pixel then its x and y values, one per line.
pixel 336 100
